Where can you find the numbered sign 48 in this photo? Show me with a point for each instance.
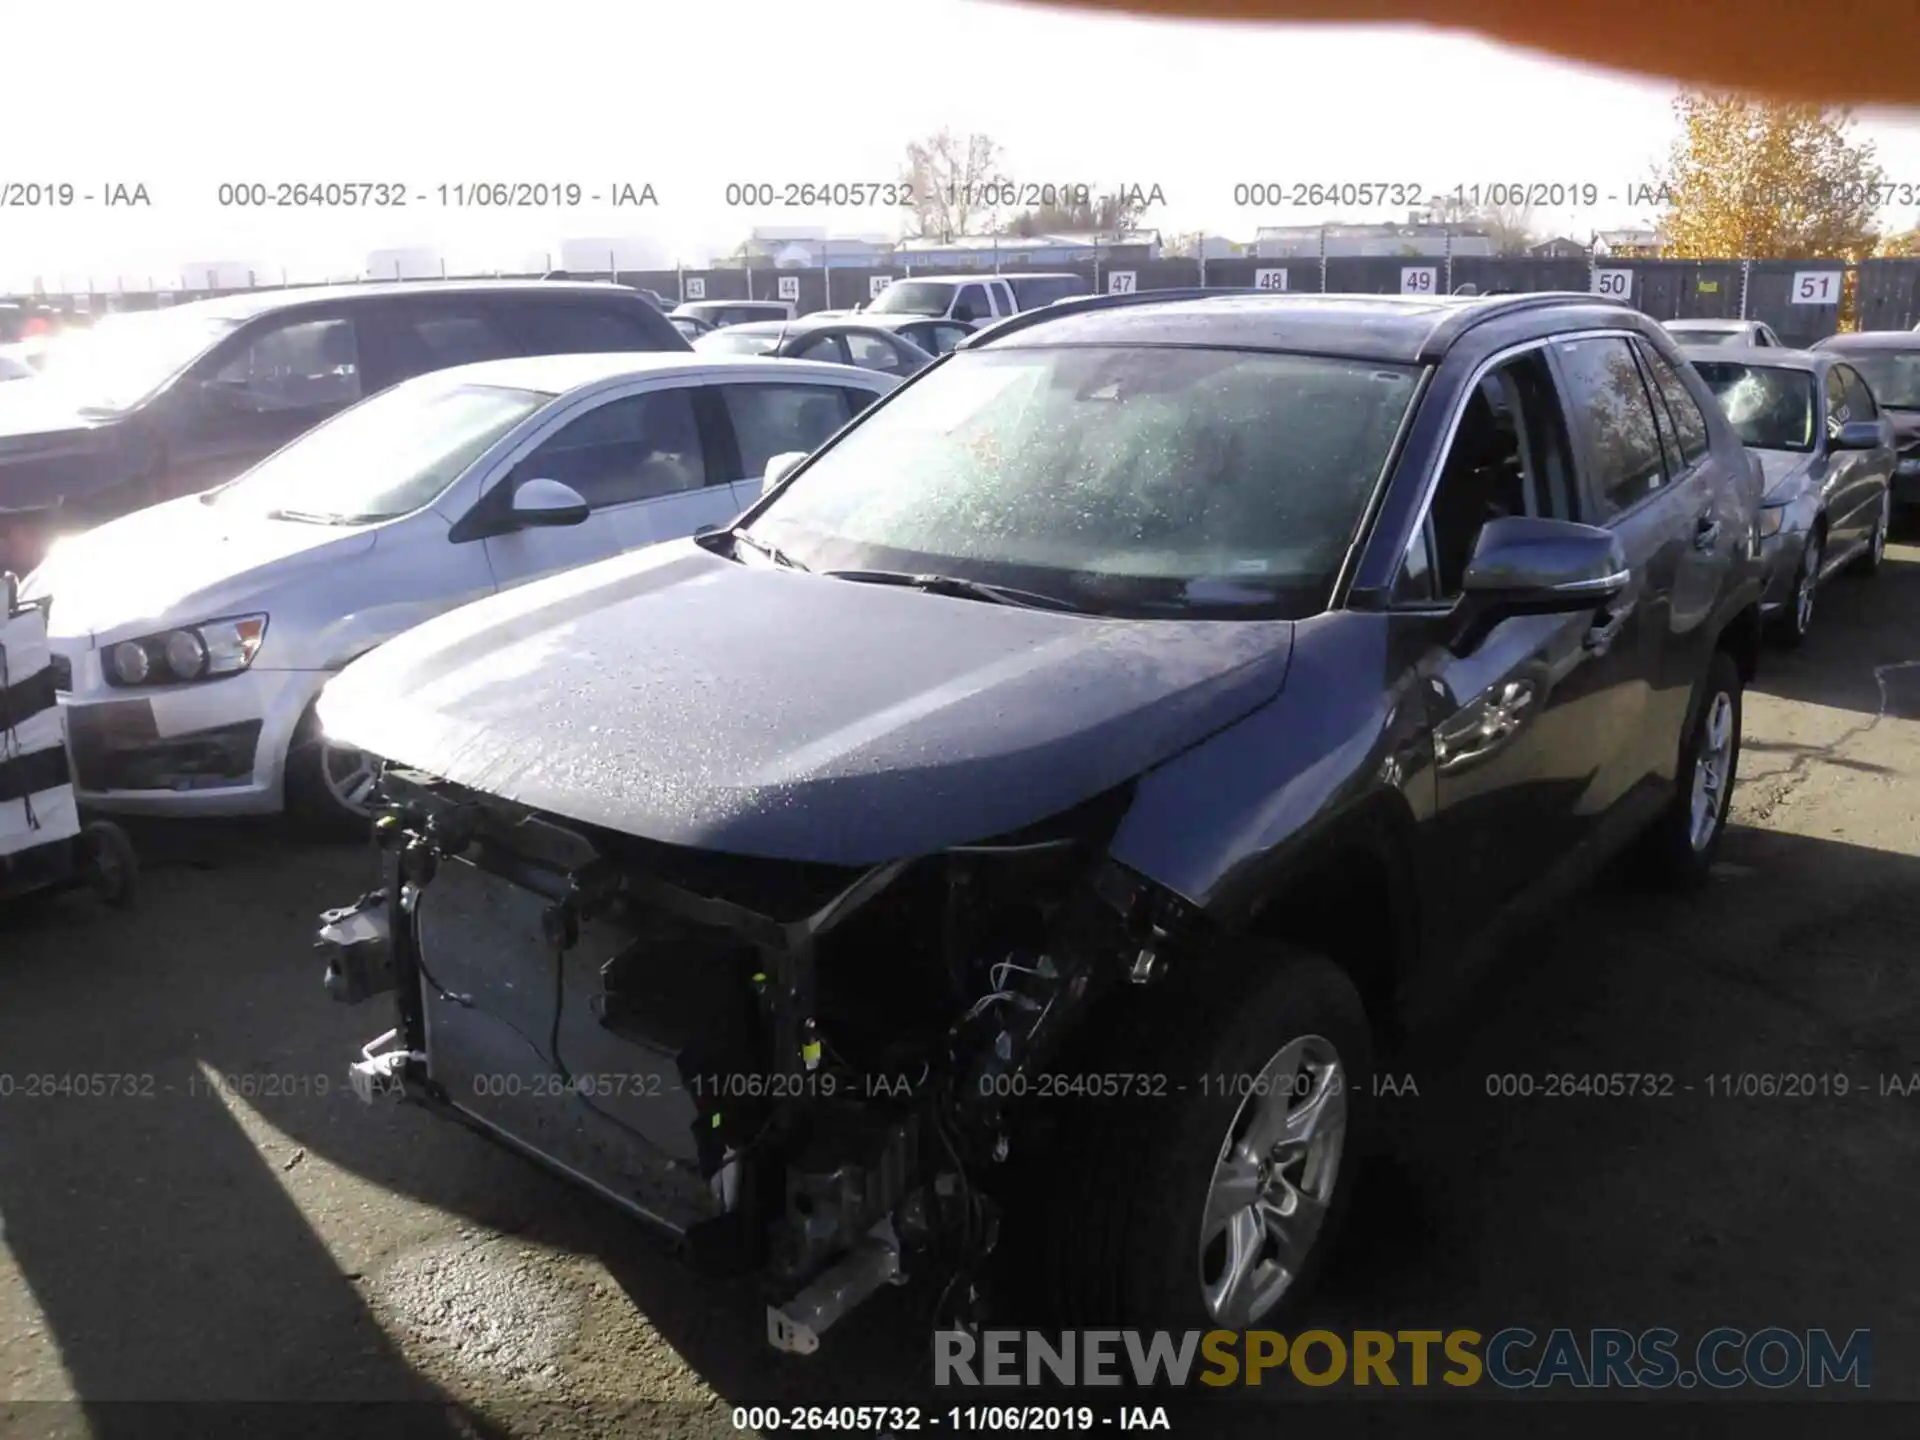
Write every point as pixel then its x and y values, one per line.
pixel 877 283
pixel 696 288
pixel 1120 282
pixel 1269 279
pixel 1419 279
pixel 1616 284
pixel 789 287
pixel 1816 287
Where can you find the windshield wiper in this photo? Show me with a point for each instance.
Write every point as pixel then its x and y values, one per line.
pixel 314 517
pixel 959 588
pixel 767 548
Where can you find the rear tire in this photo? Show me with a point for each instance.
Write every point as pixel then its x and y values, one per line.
pixel 1134 1175
pixel 1678 849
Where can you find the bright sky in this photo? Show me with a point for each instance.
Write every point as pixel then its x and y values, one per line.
pixel 605 92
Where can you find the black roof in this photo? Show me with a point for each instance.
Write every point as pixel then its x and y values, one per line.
pixel 1872 340
pixel 261 302
pixel 1707 322
pixel 1779 357
pixel 1393 328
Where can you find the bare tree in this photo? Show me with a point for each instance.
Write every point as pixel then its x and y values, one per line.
pixel 1112 214
pixel 1510 227
pixel 949 178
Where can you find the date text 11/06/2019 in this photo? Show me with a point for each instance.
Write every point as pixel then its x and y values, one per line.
pixel 896 1420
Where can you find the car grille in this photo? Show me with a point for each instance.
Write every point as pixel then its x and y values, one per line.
pixel 62 673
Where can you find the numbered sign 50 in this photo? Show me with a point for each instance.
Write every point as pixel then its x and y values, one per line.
pixel 1615 284
pixel 1419 279
pixel 1816 287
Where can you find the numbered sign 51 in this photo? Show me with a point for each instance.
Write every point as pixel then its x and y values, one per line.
pixel 877 283
pixel 1615 284
pixel 696 288
pixel 1269 279
pixel 1120 282
pixel 1816 287
pixel 1419 279
pixel 789 287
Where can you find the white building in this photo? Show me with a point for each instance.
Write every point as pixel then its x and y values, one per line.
pixel 414 263
pixel 219 275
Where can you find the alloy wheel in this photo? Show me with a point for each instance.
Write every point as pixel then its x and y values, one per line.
pixel 349 776
pixel 1880 527
pixel 1273 1182
pixel 1711 767
pixel 1807 585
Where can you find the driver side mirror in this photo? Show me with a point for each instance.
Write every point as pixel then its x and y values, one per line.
pixel 781 466
pixel 1859 435
pixel 544 503
pixel 1527 566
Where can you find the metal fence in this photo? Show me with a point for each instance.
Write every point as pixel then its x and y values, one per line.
pixel 1803 300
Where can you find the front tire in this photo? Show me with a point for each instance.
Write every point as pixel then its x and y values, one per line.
pixel 1798 619
pixel 1214 1199
pixel 327 785
pixel 1875 558
pixel 1678 850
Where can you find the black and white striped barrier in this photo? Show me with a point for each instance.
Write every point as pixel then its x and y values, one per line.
pixel 37 810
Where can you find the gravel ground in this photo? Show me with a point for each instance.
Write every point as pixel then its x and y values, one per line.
pixel 243 1231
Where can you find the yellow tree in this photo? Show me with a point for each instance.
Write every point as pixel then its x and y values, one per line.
pixel 1759 179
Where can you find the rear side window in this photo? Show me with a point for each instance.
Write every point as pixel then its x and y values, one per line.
pixel 580 330
pixel 1689 423
pixel 444 338
pixel 637 447
pixel 770 420
pixel 299 365
pixel 1616 414
pixel 973 304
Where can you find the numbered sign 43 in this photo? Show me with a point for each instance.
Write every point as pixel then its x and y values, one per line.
pixel 1120 282
pixel 1419 279
pixel 696 288
pixel 1816 287
pixel 789 287
pixel 1269 279
pixel 877 283
pixel 1616 284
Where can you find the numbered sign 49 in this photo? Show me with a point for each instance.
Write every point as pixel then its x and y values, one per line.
pixel 696 288
pixel 1816 287
pixel 789 287
pixel 1419 279
pixel 1120 282
pixel 1269 279
pixel 877 283
pixel 1615 284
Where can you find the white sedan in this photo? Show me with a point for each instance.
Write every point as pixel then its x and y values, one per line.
pixel 191 639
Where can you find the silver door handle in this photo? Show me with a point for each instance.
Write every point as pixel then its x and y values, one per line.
pixel 1707 535
pixel 1600 638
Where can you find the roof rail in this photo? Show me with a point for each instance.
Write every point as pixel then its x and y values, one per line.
pixel 1482 309
pixel 1081 304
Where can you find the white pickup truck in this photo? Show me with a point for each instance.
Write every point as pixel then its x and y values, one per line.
pixel 976 299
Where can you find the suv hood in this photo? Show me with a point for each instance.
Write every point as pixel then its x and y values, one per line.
pixel 689 699
pixel 176 563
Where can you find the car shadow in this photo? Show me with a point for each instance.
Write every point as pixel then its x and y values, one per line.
pixel 1862 653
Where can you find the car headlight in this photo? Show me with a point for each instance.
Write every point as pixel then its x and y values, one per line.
pixel 1909 466
pixel 1771 517
pixel 189 652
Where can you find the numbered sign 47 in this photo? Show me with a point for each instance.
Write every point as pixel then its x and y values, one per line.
pixel 877 283
pixel 1120 282
pixel 1816 287
pixel 789 287
pixel 1419 279
pixel 696 288
pixel 1615 284
pixel 1269 279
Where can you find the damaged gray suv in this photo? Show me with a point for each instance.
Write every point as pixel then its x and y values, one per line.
pixel 1016 834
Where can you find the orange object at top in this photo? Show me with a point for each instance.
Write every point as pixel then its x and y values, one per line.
pixel 1862 52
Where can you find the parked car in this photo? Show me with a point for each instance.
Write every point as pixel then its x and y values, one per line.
pixel 1164 687
pixel 1889 361
pixel 936 336
pixel 974 299
pixel 144 407
pixel 719 313
pixel 838 342
pixel 690 326
pixel 1828 455
pixel 1753 334
pixel 192 637
pixel 1032 291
